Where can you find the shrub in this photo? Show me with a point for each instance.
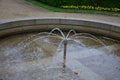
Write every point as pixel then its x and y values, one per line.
pixel 103 5
pixel 96 3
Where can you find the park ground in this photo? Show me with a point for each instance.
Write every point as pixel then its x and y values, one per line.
pixel 11 9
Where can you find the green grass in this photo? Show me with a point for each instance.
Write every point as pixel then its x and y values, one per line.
pixel 54 9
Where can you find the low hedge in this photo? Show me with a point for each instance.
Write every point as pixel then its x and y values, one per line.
pixel 95 3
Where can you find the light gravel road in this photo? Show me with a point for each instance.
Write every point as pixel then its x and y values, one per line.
pixel 11 9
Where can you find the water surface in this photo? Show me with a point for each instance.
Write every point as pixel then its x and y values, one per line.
pixel 41 58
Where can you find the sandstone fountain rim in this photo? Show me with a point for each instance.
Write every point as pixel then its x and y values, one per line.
pixel 59 18
pixel 85 25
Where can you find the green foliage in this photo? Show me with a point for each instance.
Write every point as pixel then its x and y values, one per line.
pixel 55 3
pixel 96 3
pixel 55 9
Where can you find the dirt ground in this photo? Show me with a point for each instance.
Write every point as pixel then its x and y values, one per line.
pixel 11 9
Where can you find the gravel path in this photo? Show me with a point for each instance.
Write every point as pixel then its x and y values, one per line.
pixel 10 9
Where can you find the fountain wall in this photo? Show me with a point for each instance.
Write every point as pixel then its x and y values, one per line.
pixel 25 25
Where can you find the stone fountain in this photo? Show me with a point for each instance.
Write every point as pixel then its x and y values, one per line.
pixel 59 49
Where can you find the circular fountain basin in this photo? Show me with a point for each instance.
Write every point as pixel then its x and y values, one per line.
pixel 25 54
pixel 46 24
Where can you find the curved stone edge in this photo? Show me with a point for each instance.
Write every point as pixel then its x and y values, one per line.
pixel 81 25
